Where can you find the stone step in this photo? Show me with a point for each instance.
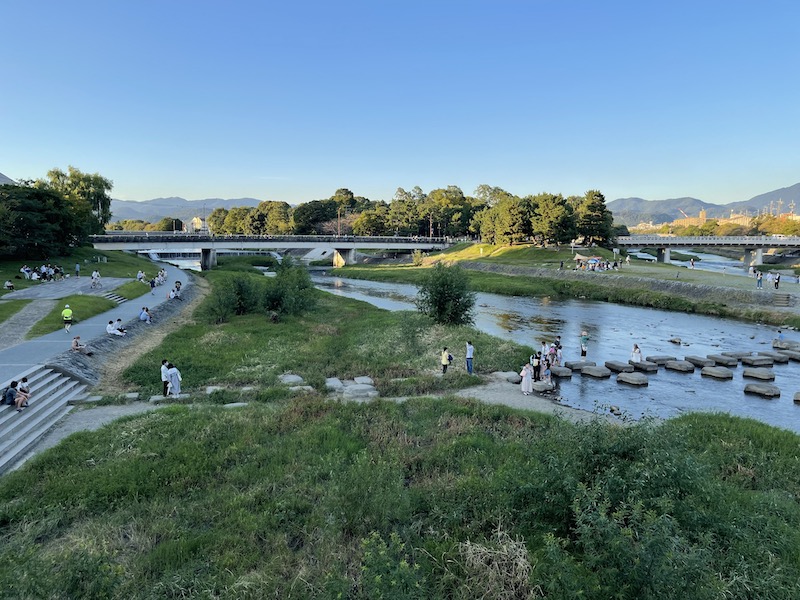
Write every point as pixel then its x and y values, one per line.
pixel 115 297
pixel 51 392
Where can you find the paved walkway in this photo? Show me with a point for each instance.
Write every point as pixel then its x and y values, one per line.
pixel 17 355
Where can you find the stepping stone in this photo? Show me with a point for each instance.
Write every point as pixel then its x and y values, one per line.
pixel 777 357
pixel 797 397
pixel 130 396
pixel 234 405
pixel 210 389
pixel 543 386
pixel 660 359
pixel 765 390
pixel 723 361
pixel 756 373
pixel 646 366
pixel 595 371
pixel 302 389
pixel 637 379
pixel 359 391
pixel 290 379
pixel 509 376
pixel 699 361
pixel 792 354
pixel 737 355
pixel 717 372
pixel 364 380
pixel 577 365
pixel 784 345
pixel 158 399
pixel 247 389
pixel 618 366
pixel 334 384
pixel 684 366
pixel 561 372
pixel 757 361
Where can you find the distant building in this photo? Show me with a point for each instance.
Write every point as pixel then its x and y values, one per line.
pixel 197 225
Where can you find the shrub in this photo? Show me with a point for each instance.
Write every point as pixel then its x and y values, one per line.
pixel 444 295
pixel 291 291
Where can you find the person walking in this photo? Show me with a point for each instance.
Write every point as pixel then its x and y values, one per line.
pixel 66 316
pixel 445 360
pixel 584 343
pixel 777 280
pixel 470 355
pixel 175 379
pixel 165 376
pixel 77 269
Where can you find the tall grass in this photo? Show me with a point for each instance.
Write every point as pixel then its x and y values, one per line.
pixel 431 498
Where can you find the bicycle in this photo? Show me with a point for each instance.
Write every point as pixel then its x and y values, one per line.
pixel 96 284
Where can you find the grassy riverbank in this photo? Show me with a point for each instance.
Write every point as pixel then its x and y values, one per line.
pixel 433 498
pixel 430 498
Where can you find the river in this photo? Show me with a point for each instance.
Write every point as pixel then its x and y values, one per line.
pixel 613 330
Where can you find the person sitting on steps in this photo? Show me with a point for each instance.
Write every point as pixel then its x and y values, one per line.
pixel 77 346
pixel 112 330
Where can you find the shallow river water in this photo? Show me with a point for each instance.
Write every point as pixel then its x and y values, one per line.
pixel 613 330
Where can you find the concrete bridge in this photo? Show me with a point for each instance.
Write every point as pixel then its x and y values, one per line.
pixel 753 245
pixel 343 247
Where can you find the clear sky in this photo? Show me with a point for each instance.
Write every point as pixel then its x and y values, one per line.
pixel 291 100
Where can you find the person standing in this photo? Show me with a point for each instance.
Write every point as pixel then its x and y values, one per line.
pixel 153 286
pixel 175 379
pixel 584 343
pixel 526 385
pixel 470 355
pixel 445 360
pixel 77 269
pixel 777 280
pixel 636 354
pixel 66 316
pixel 165 376
pixel 759 280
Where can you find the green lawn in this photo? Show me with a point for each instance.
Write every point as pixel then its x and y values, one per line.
pixel 11 307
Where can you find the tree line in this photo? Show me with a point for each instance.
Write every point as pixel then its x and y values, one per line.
pixel 492 215
pixel 45 217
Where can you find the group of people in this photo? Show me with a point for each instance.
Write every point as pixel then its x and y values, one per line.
pixel 446 359
pixel 116 328
pixel 170 379
pixel 45 272
pixel 17 394
pixel 159 279
pixel 175 293
pixel 538 367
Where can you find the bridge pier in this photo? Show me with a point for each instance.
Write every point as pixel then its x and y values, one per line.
pixel 753 257
pixel 208 259
pixel 343 257
pixel 662 255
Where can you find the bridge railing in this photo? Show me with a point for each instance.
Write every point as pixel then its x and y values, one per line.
pixel 710 240
pixel 170 236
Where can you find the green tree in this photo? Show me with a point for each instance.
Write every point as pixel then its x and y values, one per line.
pixel 166 224
pixel 236 220
pixel 216 220
pixel 553 221
pixel 309 217
pixel 269 218
pixel 87 193
pixel 594 220
pixel 444 295
pixel 35 222
pixel 371 222
pixel 512 222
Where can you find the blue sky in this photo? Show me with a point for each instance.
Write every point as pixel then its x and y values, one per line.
pixel 292 100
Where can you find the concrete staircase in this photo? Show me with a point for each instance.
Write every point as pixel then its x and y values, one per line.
pixel 115 297
pixel 51 391
pixel 781 299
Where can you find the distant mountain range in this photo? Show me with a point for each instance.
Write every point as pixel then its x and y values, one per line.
pixel 627 211
pixel 179 208
pixel 632 211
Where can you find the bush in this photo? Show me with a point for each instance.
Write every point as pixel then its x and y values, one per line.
pixel 444 295
pixel 291 291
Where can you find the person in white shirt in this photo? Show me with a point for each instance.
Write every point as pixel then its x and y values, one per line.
pixel 470 355
pixel 174 380
pixel 165 376
pixel 112 329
